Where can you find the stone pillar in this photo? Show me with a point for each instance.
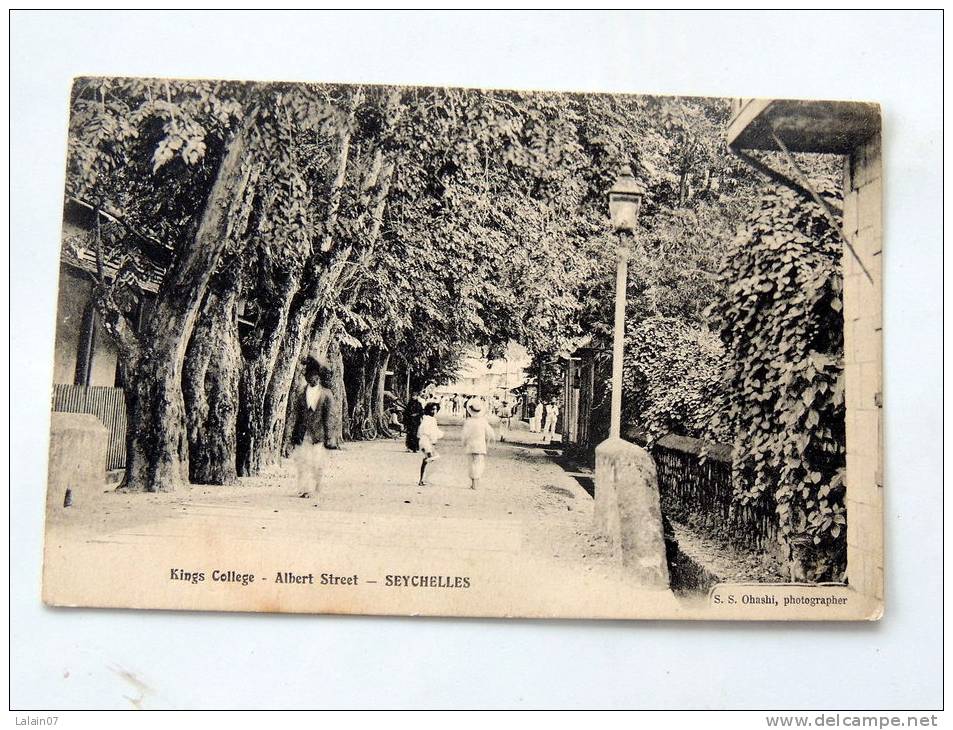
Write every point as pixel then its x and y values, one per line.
pixel 863 226
pixel 78 444
pixel 627 510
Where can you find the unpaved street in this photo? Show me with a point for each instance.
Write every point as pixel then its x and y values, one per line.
pixel 528 505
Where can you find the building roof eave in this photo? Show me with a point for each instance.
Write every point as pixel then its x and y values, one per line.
pixel 832 127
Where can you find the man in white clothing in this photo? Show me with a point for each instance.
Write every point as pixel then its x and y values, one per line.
pixel 537 422
pixel 552 413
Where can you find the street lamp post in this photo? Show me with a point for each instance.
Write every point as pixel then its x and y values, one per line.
pixel 625 200
pixel 627 510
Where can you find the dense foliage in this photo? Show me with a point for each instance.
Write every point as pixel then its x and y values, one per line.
pixel 672 379
pixel 398 227
pixel 782 326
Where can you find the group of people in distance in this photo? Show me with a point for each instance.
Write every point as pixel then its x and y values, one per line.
pixel 455 404
pixel 423 433
pixel 544 419
pixel 313 432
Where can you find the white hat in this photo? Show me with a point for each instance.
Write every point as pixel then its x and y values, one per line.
pixel 475 407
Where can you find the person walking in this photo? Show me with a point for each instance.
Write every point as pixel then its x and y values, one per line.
pixel 549 427
pixel 413 413
pixel 476 430
pixel 312 433
pixel 428 435
pixel 537 424
pixel 506 414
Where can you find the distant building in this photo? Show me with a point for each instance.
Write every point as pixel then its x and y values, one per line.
pixel 585 412
pixel 489 378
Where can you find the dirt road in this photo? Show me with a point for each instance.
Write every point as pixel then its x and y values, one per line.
pixel 528 504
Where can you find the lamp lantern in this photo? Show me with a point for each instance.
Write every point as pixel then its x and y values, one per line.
pixel 625 201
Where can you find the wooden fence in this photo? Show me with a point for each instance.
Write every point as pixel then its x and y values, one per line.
pixel 107 404
pixel 695 488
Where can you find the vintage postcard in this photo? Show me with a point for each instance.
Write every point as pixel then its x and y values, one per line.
pixel 330 348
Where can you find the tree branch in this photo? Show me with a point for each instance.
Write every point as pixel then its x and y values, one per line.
pixel 115 322
pixel 337 186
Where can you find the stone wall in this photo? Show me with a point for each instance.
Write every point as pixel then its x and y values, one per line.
pixel 863 226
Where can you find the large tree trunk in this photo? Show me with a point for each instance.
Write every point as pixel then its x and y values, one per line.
pixel 337 387
pixel 262 353
pixel 156 439
pixel 354 386
pixel 318 293
pixel 364 418
pixel 378 408
pixel 371 374
pixel 210 385
pixel 322 338
pixel 267 442
pixel 276 391
pixel 287 379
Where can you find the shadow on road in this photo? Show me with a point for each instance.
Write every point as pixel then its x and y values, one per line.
pixel 582 474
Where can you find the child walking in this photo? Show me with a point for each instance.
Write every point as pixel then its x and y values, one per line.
pixel 476 431
pixel 428 435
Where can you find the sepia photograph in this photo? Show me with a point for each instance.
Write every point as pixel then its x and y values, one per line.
pixel 457 351
pixel 466 360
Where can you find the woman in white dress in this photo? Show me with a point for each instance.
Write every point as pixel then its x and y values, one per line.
pixel 428 435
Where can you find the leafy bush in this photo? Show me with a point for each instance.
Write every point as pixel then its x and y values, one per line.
pixel 672 376
pixel 782 326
